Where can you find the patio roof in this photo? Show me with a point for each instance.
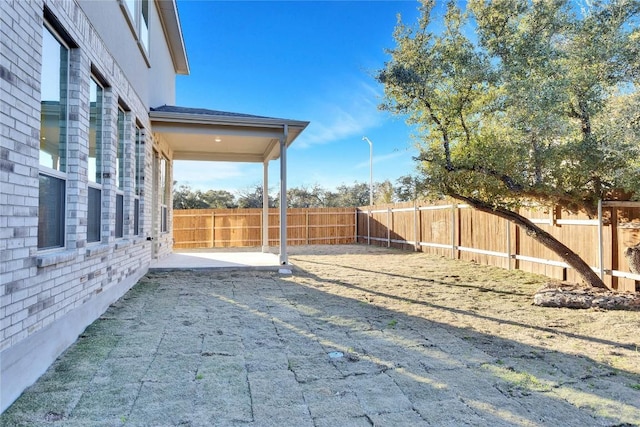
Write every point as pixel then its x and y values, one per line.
pixel 210 135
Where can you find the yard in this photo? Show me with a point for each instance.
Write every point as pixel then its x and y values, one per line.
pixel 356 336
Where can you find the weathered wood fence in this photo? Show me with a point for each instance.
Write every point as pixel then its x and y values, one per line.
pixel 448 229
pixel 458 231
pixel 214 228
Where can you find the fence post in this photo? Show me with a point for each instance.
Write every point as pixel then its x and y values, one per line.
pixel 213 229
pixel 355 226
pixel 453 230
pixel 369 226
pixel 600 240
pixel 389 217
pixel 416 244
pixel 307 227
pixel 508 244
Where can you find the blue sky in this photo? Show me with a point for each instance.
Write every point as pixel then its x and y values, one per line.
pixel 303 60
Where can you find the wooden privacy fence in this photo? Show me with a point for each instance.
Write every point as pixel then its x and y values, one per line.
pixel 458 231
pixel 214 228
pixel 448 229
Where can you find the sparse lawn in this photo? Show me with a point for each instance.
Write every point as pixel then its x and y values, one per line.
pixel 357 335
pixel 474 299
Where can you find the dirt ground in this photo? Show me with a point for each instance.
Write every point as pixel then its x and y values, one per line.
pixel 589 358
pixel 355 336
pixel 475 299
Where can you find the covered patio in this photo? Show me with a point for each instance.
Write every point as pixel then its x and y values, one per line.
pixel 210 135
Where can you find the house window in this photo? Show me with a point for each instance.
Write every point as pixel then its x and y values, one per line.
pixel 137 14
pixel 138 179
pixel 51 212
pixel 53 138
pixel 120 173
pixel 144 24
pixel 120 149
pixel 119 215
pixel 94 166
pixel 136 216
pixel 131 7
pixel 164 198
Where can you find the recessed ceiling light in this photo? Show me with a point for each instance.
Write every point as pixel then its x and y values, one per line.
pixel 218 139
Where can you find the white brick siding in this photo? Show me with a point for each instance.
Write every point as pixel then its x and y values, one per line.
pixel 38 288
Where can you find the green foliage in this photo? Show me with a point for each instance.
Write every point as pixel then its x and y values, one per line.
pixel 384 193
pixel 186 198
pixel 350 195
pixel 252 198
pixel 409 188
pixel 304 197
pixel 353 195
pixel 517 100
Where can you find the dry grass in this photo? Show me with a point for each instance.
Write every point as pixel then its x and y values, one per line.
pixel 480 300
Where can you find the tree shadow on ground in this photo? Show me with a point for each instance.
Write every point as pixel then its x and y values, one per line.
pixel 188 348
pixel 464 312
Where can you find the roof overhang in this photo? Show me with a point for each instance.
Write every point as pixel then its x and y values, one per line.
pixel 168 11
pixel 198 134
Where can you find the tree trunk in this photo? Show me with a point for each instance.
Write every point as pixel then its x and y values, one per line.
pixel 567 255
pixel 632 255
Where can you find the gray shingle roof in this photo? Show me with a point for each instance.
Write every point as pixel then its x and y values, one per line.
pixel 204 111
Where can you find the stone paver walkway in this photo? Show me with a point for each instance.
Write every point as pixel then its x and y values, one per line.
pixel 262 349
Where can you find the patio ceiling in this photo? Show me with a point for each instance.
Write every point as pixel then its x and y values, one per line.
pixel 209 135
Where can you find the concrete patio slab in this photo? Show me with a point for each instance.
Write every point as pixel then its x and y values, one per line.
pixel 227 260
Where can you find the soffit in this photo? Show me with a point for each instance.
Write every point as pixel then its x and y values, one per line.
pixel 168 11
pixel 210 135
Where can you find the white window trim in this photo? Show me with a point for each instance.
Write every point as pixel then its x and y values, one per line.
pixel 93 184
pixel 138 175
pixel 135 24
pixel 119 192
pixel 99 241
pixel 121 162
pixel 45 170
pixel 165 197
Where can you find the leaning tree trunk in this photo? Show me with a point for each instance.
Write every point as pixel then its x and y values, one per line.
pixel 567 255
pixel 632 255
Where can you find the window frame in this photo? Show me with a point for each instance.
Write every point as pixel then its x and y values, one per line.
pixel 62 220
pixel 138 181
pixel 120 172
pixel 99 169
pixel 135 18
pixel 47 171
pixel 163 196
pixel 144 35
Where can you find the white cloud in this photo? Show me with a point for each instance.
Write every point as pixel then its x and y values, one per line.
pixel 350 111
pixel 383 158
pixel 201 175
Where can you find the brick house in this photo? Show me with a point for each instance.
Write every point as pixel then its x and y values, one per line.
pixel 88 140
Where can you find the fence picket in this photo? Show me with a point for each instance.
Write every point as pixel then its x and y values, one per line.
pixel 446 229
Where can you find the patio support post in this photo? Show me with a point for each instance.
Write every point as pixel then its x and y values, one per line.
pixel 283 196
pixel 265 207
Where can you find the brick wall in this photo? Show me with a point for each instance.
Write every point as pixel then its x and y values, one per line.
pixel 20 288
pixel 38 288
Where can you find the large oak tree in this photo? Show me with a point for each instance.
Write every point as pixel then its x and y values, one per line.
pixel 517 101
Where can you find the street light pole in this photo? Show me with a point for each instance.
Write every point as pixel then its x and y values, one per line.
pixel 364 138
